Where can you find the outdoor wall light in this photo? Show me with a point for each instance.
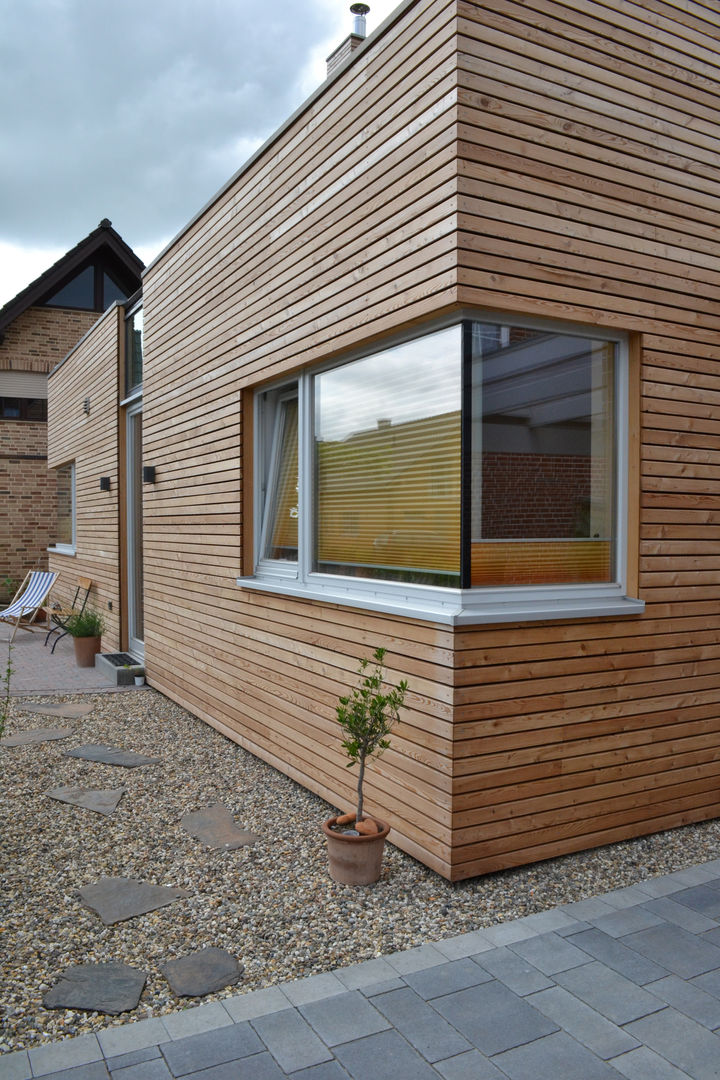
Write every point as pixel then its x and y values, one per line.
pixel 148 474
pixel 104 483
pixel 86 406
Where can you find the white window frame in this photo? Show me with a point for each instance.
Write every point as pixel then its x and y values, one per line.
pixel 456 607
pixel 68 549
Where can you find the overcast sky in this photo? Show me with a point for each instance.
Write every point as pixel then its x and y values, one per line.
pixel 140 111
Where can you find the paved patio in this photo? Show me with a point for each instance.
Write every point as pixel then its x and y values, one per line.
pixel 623 985
pixel 37 670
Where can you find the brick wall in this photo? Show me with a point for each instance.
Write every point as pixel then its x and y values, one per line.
pixel 27 500
pixel 36 341
pixel 39 338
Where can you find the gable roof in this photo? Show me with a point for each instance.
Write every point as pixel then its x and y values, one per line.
pixel 104 239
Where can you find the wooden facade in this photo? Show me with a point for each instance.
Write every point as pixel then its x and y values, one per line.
pixel 541 159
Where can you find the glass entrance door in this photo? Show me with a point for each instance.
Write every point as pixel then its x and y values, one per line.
pixel 136 642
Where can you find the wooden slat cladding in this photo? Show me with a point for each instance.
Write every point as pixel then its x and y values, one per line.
pixel 546 158
pixel 589 191
pixel 91 441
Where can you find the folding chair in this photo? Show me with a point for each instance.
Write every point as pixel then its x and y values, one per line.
pixel 28 600
pixel 61 615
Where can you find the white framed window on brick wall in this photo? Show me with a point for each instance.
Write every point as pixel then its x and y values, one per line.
pixel 475 472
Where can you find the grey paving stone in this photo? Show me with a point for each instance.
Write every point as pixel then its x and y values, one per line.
pixel 582 1022
pixel 513 970
pixel 214 826
pixel 257 1067
pixel 15 1066
pixel 424 956
pixel 129 1037
pixel 313 988
pixel 616 997
pixel 194 1021
pixel 420 1024
pixel 69 710
pixel 470 1066
pixel 682 1041
pixel 101 801
pixel 446 978
pixel 385 1056
pixel 624 898
pixel 507 933
pixel 36 735
pixel 645 1064
pixel 681 915
pixel 343 1018
pixel 626 921
pixel 64 1054
pixel 573 927
pixel 291 1040
pixel 710 983
pixel 556 1056
pixel 111 755
pixel 676 950
pixel 203 972
pixel 456 948
pixel 368 973
pixel 115 899
pixel 328 1070
pixel 694 875
pixel 152 1069
pixel 107 988
pixel 121 1061
pixel 688 999
pixel 614 954
pixel 383 988
pixel 211 1048
pixel 550 953
pixel 493 1018
pixel 588 910
pixel 663 885
pixel 258 1003
pixel 700 898
pixel 95 1070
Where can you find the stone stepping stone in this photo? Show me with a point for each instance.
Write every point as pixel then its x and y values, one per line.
pixel 111 755
pixel 115 899
pixel 108 988
pixel 101 801
pixel 202 972
pixel 215 827
pixel 69 710
pixel 38 735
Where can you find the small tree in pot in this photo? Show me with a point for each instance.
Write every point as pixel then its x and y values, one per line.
pixel 366 716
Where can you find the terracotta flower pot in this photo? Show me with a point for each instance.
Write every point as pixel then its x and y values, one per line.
pixel 355 860
pixel 86 649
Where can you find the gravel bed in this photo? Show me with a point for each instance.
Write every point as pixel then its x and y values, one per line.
pixel 272 905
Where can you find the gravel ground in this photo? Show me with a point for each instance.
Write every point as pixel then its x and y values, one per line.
pixel 272 905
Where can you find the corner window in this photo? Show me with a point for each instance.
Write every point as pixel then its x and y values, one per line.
pixel 475 473
pixel 65 529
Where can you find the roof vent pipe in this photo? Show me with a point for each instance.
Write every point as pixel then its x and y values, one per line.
pixel 359 26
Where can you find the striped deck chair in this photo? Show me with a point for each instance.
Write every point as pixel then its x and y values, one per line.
pixel 29 598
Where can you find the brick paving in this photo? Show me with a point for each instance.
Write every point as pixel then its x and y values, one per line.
pixel 624 985
pixel 37 670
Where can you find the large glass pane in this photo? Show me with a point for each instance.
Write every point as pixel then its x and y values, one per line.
pixel 134 351
pixel 281 526
pixel 543 462
pixel 65 532
pixel 387 462
pixel 135 537
pixel 78 293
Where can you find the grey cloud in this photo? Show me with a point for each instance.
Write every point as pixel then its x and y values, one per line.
pixel 137 111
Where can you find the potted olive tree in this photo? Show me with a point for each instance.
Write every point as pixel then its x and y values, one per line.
pixel 366 716
pixel 86 629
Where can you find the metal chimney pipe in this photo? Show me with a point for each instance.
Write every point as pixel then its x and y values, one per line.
pixel 359 25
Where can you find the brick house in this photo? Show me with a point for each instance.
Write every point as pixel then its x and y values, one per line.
pixel 37 328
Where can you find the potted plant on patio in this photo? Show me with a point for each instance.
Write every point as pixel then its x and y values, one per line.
pixel 86 629
pixel 366 716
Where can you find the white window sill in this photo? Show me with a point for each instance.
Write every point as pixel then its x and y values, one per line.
pixel 457 607
pixel 62 549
